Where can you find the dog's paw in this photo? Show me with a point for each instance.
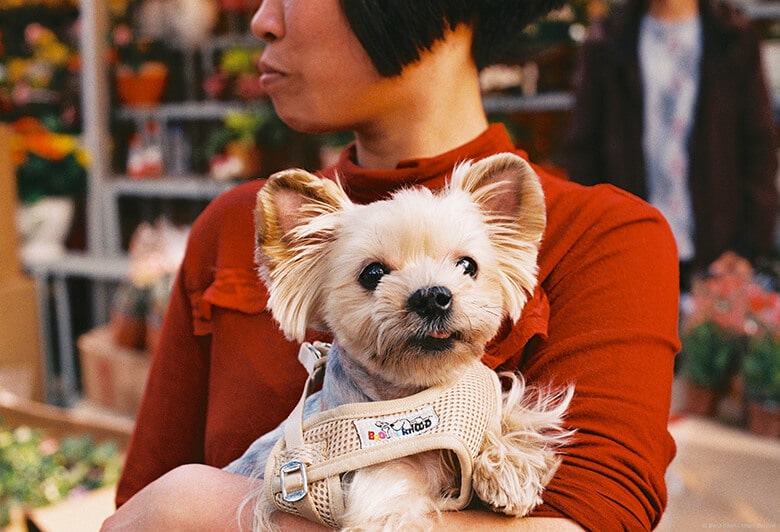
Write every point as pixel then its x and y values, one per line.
pixel 519 458
pixel 510 483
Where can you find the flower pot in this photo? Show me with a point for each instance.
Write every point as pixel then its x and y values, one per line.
pixel 144 87
pixel 764 418
pixel 44 226
pixel 128 316
pixel 698 400
pixel 128 331
pixel 240 161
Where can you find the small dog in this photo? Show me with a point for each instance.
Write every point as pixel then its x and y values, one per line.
pixel 412 288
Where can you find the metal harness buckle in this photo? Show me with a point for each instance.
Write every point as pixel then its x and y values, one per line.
pixel 289 469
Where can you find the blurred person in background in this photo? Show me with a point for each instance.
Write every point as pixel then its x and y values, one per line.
pixel 672 105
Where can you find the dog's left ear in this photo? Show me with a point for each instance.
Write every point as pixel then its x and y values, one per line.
pixel 510 195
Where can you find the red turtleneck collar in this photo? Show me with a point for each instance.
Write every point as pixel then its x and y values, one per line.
pixel 365 185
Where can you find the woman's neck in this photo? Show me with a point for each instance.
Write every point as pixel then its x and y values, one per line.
pixel 435 107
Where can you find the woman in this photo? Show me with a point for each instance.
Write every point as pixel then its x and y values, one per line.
pixel 404 77
pixel 672 105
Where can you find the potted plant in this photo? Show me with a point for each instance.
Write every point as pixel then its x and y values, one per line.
pixel 140 301
pixel 236 76
pixel 234 151
pixel 140 73
pixel 50 176
pixel 715 314
pixel 710 359
pixel 761 374
pixel 761 364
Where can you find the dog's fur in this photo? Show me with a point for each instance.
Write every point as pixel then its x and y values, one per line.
pixel 412 288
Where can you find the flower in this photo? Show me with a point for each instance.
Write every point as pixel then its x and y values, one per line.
pixel 728 296
pixel 730 324
pixel 36 469
pixel 236 75
pixel 156 252
pixel 48 163
pixel 41 71
pixel 132 51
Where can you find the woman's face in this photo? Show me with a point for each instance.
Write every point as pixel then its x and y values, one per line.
pixel 314 68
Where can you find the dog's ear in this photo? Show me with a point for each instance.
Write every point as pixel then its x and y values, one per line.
pixel 510 195
pixel 295 218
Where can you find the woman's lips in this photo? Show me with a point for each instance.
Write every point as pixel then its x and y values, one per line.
pixel 269 75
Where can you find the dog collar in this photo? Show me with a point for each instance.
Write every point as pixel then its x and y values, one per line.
pixel 303 472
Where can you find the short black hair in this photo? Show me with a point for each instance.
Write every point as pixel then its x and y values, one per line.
pixel 395 32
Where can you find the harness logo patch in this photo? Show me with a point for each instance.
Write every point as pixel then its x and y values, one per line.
pixel 373 431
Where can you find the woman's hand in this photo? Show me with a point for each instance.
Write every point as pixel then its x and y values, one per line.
pixel 190 497
pixel 197 497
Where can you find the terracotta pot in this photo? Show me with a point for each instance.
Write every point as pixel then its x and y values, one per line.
pixel 239 161
pixel 144 87
pixel 764 419
pixel 698 400
pixel 128 331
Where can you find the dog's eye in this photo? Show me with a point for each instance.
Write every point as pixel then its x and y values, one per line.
pixel 469 266
pixel 372 274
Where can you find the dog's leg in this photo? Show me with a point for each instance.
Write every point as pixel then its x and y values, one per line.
pixel 403 494
pixel 519 458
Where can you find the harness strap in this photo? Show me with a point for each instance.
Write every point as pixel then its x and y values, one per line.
pixel 303 472
pixel 293 474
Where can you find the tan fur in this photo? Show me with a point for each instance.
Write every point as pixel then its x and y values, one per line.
pixel 313 243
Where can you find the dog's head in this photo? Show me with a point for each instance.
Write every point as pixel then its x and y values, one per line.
pixel 411 287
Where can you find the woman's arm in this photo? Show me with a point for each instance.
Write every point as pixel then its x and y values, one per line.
pixel 190 497
pixel 197 497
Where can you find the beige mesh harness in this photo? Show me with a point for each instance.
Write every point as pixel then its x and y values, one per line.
pixel 303 471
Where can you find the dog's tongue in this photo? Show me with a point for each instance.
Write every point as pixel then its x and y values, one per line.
pixel 442 335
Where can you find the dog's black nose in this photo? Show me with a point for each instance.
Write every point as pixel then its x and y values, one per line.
pixel 430 302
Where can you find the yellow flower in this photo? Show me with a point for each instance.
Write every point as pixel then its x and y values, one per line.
pixel 82 157
pixel 63 144
pixel 17 68
pixel 55 52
